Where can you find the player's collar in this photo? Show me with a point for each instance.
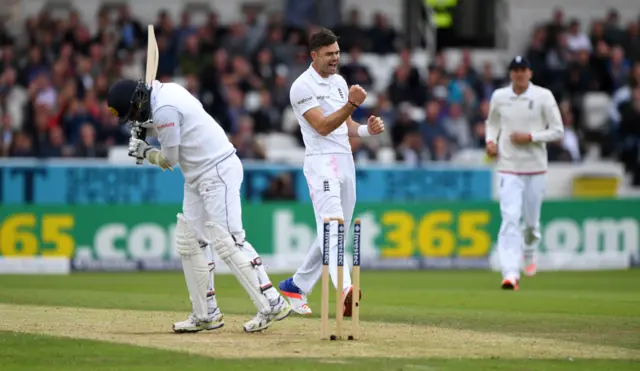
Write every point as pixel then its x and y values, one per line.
pixel 316 76
pixel 526 94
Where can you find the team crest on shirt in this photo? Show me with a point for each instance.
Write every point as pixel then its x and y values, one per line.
pixel 113 111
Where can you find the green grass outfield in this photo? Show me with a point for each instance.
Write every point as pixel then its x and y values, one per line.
pixel 427 320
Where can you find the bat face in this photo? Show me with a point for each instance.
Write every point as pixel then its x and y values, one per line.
pixel 152 56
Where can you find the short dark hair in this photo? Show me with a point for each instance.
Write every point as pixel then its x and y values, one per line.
pixel 324 37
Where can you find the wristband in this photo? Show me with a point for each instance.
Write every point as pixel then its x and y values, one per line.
pixel 363 131
pixel 353 104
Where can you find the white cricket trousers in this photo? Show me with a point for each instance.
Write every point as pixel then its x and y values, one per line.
pixel 521 197
pixel 217 198
pixel 332 186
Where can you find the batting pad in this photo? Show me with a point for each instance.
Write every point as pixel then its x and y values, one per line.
pixel 238 262
pixel 194 265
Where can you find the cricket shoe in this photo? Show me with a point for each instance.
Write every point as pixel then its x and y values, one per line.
pixel 192 324
pixel 529 264
pixel 295 296
pixel 279 310
pixel 530 270
pixel 348 302
pixel 510 283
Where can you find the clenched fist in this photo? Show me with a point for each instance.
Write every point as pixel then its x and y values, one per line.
pixel 357 94
pixel 375 125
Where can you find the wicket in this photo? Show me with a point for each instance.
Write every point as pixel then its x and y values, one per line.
pixel 355 301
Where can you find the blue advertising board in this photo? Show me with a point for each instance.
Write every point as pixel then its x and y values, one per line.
pixel 81 182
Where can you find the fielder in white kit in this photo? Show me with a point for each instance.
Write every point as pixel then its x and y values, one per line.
pixel 522 118
pixel 211 211
pixel 323 103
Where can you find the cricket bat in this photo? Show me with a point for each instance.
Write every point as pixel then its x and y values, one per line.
pixel 152 64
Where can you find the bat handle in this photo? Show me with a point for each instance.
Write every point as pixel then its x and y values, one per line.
pixel 139 160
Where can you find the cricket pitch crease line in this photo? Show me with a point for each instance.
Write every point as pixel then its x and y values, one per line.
pixel 294 336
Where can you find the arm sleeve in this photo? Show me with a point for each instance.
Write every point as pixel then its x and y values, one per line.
pixel 302 98
pixel 168 122
pixel 492 129
pixel 171 154
pixel 551 115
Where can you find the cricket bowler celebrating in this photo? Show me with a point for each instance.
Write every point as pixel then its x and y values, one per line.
pixel 522 118
pixel 323 103
pixel 211 211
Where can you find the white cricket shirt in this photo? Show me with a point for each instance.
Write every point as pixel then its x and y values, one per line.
pixel 330 94
pixel 180 120
pixel 534 112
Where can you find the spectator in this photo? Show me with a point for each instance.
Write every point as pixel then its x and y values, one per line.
pixel 571 140
pixel 432 127
pixel 412 150
pixel 355 73
pixel 631 43
pixel 471 75
pixel 403 125
pixel 618 69
pixel 244 140
pixel 55 145
pixel 458 85
pixel 613 31
pixel 478 122
pixel 352 33
pixel 381 35
pixel 630 131
pixel 577 40
pixel 190 60
pixel 558 60
pixel 265 67
pixel 243 75
pixel 402 90
pixel 280 92
pixel 131 33
pixel 601 64
pixel 441 149
pixel 236 42
pixel 597 33
pixel 6 134
pixel 582 78
pixel 362 151
pixel 8 59
pixel 167 62
pixel 13 97
pixel 22 146
pixel 185 30
pixel 457 127
pixel 236 109
pixel 487 83
pixel 538 55
pixel 282 52
pixel 267 117
pixel 87 145
pixel 555 28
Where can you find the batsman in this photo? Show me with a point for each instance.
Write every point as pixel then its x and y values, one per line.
pixel 211 211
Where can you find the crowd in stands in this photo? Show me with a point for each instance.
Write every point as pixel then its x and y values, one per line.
pixel 54 76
